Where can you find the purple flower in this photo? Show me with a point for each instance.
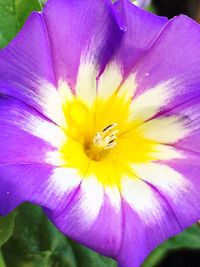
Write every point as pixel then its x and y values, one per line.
pixel 100 124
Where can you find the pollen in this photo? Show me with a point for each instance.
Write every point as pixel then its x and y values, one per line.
pixel 106 139
pixel 102 143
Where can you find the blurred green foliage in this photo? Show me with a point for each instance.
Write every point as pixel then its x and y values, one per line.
pixel 27 238
pixel 13 14
pixel 6 227
pixel 189 239
pixel 35 242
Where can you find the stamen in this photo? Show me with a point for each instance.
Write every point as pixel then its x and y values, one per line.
pixel 106 138
pixel 109 127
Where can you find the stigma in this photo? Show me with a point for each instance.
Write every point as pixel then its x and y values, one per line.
pixel 106 139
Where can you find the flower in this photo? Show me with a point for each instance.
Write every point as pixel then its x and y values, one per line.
pixel 99 119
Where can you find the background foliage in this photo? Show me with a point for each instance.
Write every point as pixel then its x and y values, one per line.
pixel 27 238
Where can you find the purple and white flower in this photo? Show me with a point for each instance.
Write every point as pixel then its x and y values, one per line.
pixel 100 124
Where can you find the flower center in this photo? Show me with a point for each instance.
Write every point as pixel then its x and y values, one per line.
pixel 102 142
pixel 107 138
pixel 93 144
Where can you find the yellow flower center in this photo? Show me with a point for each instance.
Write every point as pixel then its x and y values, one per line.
pixel 102 140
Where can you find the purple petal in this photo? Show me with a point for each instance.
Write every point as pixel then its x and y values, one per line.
pixel 148 221
pixel 80 30
pixel 173 58
pixel 26 66
pixel 143 29
pixel 29 145
pixel 26 136
pixel 188 113
pixel 176 185
pixel 24 182
pixel 91 216
pixel 41 184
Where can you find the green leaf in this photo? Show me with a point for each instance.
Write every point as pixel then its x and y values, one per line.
pixel 151 8
pixel 6 227
pixel 86 257
pixel 37 243
pixel 24 7
pixel 156 256
pixel 189 239
pixel 13 14
pixel 42 2
pixel 2 263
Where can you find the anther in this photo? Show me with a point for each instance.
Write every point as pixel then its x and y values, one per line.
pixel 109 127
pixel 106 139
